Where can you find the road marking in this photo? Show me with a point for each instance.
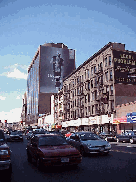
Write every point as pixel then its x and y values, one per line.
pixel 123 152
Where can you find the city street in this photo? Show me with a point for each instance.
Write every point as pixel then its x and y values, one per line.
pixel 118 166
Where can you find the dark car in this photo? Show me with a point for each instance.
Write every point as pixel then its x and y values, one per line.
pixel 133 139
pixel 5 155
pixel 88 142
pixel 15 136
pixel 123 138
pixel 52 150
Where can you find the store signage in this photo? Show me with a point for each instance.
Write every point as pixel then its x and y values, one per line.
pixel 131 117
pixel 92 120
pixel 124 66
pixel 106 119
pixel 85 121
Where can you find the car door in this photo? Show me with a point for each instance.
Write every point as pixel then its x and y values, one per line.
pixel 77 141
pixel 33 147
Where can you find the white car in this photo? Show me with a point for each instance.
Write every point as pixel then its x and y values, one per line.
pixel 88 142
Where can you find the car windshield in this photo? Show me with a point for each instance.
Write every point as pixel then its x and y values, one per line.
pixel 51 141
pixel 89 136
pixel 14 133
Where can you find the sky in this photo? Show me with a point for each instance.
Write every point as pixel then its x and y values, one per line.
pixel 85 26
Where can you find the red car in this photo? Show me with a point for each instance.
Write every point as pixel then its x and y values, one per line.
pixel 52 150
pixel 68 134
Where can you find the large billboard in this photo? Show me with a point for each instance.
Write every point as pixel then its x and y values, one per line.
pixel 55 65
pixel 124 67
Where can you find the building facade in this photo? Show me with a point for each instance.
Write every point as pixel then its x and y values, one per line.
pixel 50 65
pixel 93 91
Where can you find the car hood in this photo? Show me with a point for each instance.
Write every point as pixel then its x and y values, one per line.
pixel 14 135
pixel 61 150
pixel 95 142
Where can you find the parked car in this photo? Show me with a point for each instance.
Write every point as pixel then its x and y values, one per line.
pixel 123 138
pixel 88 142
pixel 52 150
pixel 15 136
pixel 5 155
pixel 29 134
pixel 133 139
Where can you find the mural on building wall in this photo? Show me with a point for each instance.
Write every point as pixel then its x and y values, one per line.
pixel 55 65
pixel 124 67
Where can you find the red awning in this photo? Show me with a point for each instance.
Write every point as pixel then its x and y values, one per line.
pixel 123 119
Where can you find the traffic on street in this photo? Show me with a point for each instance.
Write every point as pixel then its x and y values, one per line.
pixel 117 166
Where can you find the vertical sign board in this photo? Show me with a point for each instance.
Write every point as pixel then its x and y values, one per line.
pixel 124 67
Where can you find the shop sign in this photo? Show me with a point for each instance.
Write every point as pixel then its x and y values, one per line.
pixel 106 119
pixel 92 120
pixel 131 117
pixel 85 121
pixel 98 120
pixel 64 124
pixel 123 119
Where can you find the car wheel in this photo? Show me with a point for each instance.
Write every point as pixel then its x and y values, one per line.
pixel 38 163
pixel 29 157
pixel 117 140
pixel 131 141
pixel 82 151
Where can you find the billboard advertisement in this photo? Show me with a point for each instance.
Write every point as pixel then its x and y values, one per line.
pixel 55 65
pixel 124 67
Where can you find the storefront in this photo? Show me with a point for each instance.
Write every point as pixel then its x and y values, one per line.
pixel 125 123
pixel 93 124
pixel 107 123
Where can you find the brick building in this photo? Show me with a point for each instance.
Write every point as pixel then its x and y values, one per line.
pixel 97 86
pixel 50 65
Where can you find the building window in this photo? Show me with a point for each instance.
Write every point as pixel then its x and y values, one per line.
pixel 85 74
pixel 88 97
pixel 106 75
pixel 93 96
pixel 101 67
pixel 91 83
pixel 106 61
pixel 111 88
pixel 112 105
pixel 73 93
pixel 88 73
pixel 92 109
pixel 95 82
pixel 88 85
pixel 78 80
pixel 92 71
pixel 85 98
pixel 82 78
pixel 89 110
pixel 110 60
pixel 95 69
pixel 111 77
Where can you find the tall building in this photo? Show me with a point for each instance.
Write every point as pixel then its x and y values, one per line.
pixel 50 65
pixel 96 87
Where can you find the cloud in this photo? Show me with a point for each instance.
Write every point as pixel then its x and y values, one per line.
pixel 13 115
pixel 16 74
pixel 2 98
pixel 12 67
pixel 18 97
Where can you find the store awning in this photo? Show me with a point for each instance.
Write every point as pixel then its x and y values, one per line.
pixel 123 119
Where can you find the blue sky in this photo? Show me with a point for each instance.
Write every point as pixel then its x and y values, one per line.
pixel 85 26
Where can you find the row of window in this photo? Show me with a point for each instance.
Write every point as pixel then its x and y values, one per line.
pixel 87 111
pixel 108 76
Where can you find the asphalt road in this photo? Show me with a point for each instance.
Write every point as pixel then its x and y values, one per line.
pixel 118 166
